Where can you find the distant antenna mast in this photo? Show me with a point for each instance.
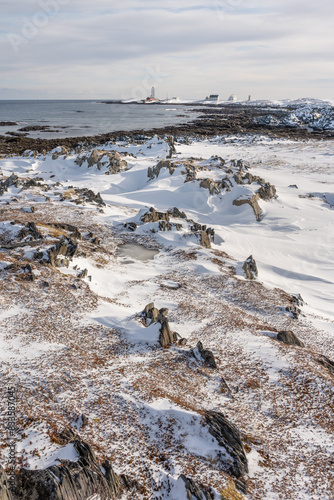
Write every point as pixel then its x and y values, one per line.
pixel 152 93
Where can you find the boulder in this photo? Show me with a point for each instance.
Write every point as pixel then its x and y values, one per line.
pixel 110 160
pixel 166 337
pixel 65 248
pixel 153 216
pixel 205 240
pixel 206 355
pixel 195 490
pixel 153 172
pixel 150 312
pixel 229 438
pixel 253 202
pixel 267 191
pixel 250 268
pixel 289 338
pixel 177 213
pixel 70 480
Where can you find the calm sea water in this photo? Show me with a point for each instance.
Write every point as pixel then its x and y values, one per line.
pixel 83 118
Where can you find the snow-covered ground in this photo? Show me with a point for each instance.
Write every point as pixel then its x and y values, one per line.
pixel 86 349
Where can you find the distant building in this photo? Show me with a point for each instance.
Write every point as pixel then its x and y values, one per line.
pixel 233 97
pixel 212 98
pixel 249 97
pixel 152 97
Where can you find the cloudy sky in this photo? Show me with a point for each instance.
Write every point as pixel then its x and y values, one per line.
pixel 102 49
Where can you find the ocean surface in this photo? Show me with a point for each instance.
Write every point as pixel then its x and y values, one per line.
pixel 79 118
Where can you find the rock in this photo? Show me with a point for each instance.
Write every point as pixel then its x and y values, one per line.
pixel 90 196
pixel 327 363
pixel 165 226
pixel 110 160
pixel 253 202
pixel 250 268
pixel 64 247
pixel 172 150
pixel 294 310
pixel 206 355
pixel 151 312
pixel 132 226
pixel 153 216
pixel 166 337
pixel 83 274
pixel 70 480
pixel 238 178
pixel 197 491
pixel 289 338
pixel 214 187
pixel 153 172
pixel 205 240
pixel 229 438
pixel 177 213
pixel 5 493
pixel 61 151
pixel 267 191
pixel 12 180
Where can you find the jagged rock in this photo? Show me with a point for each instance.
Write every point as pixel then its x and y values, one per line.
pixel 327 363
pixel 111 160
pixel 250 268
pixel 253 202
pixel 61 151
pixel 228 437
pixel 65 247
pixel 267 191
pixel 172 150
pixel 177 213
pixel 90 196
pixel 166 337
pixel 289 338
pixel 294 310
pixel 153 216
pixel 154 172
pixel 83 274
pixel 30 229
pixel 214 187
pixel 5 493
pixel 206 355
pixel 131 225
pixel 151 312
pixel 205 240
pixel 70 480
pixel 241 485
pixel 165 226
pixel 196 490
pixel 12 180
pixel 238 178
pixel 34 182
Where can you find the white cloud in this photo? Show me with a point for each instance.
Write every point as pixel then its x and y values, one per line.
pixel 268 48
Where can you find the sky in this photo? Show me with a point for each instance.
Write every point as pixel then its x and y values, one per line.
pixel 103 49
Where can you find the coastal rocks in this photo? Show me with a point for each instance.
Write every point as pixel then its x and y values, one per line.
pixel 5 493
pixel 60 151
pixel 110 160
pixel 70 480
pixel 207 355
pixel 153 216
pixel 250 268
pixel 195 490
pixel 289 338
pixel 253 202
pixel 229 438
pixel 153 172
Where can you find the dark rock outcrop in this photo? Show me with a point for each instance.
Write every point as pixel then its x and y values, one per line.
pixel 153 216
pixel 196 490
pixel 289 338
pixel 166 336
pixel 250 268
pixel 206 355
pixel 267 191
pixel 253 202
pixel 153 172
pixel 12 180
pixel 205 240
pixel 70 480
pixel 229 438
pixel 62 252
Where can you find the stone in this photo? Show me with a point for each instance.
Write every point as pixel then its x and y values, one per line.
pixel 64 247
pixel 327 363
pixel 206 355
pixel 195 490
pixel 166 337
pixel 229 438
pixel 250 268
pixel 154 216
pixel 151 312
pixel 238 178
pixel 289 338
pixel 253 202
pixel 70 480
pixel 205 240
pixel 177 213
pixel 132 226
pixel 267 191
pixel 154 172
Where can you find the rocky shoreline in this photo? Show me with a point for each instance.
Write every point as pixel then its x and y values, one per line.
pixel 222 120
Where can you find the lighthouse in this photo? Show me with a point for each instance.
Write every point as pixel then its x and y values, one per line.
pixel 152 96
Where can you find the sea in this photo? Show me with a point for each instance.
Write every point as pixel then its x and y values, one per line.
pixel 79 118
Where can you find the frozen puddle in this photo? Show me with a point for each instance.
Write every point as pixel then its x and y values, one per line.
pixel 137 252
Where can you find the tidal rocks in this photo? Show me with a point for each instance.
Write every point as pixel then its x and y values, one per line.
pixel 253 202
pixel 207 355
pixel 153 172
pixel 195 490
pixel 70 480
pixel 229 438
pixel 289 338
pixel 250 268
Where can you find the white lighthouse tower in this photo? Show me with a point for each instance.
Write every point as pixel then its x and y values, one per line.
pixel 152 93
